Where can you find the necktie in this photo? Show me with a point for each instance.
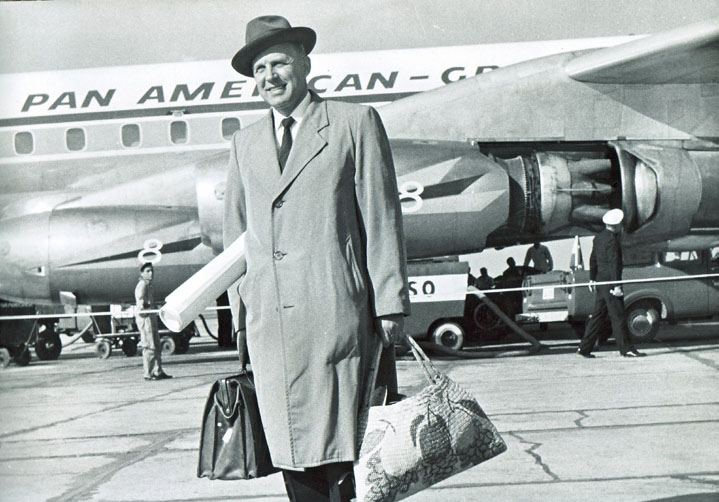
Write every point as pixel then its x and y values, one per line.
pixel 286 142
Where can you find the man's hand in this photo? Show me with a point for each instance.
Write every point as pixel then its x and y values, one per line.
pixel 617 291
pixel 591 286
pixel 390 328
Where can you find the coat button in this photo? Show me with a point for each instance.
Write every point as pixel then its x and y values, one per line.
pixel 279 255
pixel 278 204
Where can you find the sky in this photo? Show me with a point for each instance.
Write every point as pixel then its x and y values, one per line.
pixel 54 35
pixel 80 34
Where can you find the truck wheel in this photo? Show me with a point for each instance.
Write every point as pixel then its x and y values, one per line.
pixel 129 347
pixel 48 347
pixel 22 356
pixel 168 346
pixel 103 349
pixel 485 319
pixel 4 357
pixel 643 321
pixel 448 334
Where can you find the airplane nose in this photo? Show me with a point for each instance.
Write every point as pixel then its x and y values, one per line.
pixel 24 258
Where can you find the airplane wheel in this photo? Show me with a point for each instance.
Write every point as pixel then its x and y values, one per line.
pixel 103 349
pixel 129 347
pixel 4 357
pixel 48 347
pixel 22 357
pixel 448 334
pixel 643 321
pixel 168 346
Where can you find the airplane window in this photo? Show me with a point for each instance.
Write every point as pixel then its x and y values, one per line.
pixel 229 126
pixel 131 135
pixel 178 131
pixel 75 139
pixel 24 143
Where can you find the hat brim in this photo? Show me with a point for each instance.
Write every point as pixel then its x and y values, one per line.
pixel 242 61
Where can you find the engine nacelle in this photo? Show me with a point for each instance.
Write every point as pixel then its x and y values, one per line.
pixel 210 178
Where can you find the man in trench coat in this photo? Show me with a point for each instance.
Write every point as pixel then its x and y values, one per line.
pixel 326 279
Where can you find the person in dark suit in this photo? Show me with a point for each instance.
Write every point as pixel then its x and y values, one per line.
pixel 606 265
pixel 313 186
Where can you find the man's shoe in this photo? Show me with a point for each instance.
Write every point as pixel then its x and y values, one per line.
pixel 636 353
pixel 151 377
pixel 162 376
pixel 584 354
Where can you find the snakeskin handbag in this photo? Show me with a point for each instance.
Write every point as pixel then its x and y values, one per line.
pixel 410 445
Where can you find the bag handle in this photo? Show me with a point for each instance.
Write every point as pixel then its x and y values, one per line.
pixel 234 406
pixel 431 373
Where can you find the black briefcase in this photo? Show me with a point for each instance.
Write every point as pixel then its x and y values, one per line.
pixel 233 444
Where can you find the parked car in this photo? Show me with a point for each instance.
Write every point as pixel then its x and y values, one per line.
pixel 647 303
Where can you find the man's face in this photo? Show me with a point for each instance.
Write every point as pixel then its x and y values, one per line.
pixel 281 76
pixel 147 274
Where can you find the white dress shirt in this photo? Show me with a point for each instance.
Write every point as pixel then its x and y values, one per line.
pixel 298 113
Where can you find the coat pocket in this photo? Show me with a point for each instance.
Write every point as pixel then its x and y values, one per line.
pixel 358 280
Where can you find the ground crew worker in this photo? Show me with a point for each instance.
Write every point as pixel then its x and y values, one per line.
pixel 484 281
pixel 147 325
pixel 540 257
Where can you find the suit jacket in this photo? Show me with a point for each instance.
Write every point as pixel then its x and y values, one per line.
pixel 605 262
pixel 325 256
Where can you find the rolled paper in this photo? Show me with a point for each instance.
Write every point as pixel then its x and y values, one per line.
pixel 183 305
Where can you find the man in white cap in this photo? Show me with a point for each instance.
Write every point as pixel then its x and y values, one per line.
pixel 605 265
pixel 313 186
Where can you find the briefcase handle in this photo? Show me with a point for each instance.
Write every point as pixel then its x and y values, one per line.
pixel 230 411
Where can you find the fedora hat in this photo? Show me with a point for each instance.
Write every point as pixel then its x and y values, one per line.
pixel 266 31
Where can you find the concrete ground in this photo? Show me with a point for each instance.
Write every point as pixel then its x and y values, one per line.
pixel 609 429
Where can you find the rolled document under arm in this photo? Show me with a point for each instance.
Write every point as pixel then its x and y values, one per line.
pixel 183 305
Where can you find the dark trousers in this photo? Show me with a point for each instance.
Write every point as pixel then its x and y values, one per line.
pixel 606 304
pixel 327 483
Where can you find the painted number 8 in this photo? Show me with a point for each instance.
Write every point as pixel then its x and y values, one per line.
pixel 411 190
pixel 150 252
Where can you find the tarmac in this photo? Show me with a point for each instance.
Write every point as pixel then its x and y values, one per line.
pixel 605 429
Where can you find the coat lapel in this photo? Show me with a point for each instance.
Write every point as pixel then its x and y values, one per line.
pixel 308 144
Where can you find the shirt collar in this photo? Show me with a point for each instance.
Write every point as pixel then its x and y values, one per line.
pixel 298 113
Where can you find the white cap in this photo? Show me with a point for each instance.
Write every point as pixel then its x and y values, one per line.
pixel 613 217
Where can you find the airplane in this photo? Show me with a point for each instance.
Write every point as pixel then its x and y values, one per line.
pixel 489 152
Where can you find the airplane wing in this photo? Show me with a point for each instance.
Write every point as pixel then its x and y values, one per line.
pixel 686 55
